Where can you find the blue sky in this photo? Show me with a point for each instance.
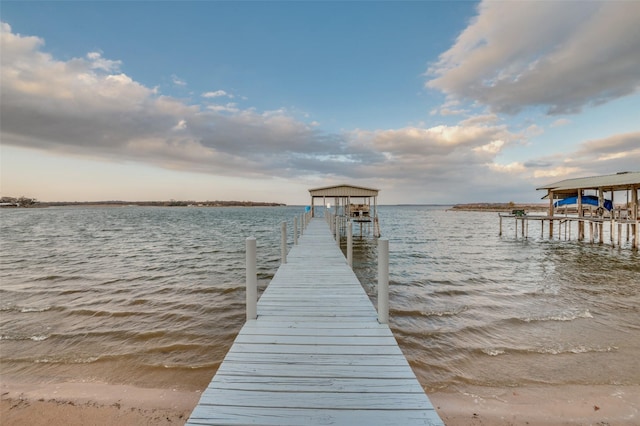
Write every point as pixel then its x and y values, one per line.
pixel 431 102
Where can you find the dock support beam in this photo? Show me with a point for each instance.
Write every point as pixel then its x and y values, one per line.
pixel 251 280
pixel 349 244
pixel 383 281
pixel 283 243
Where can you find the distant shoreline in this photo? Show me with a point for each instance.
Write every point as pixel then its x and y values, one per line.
pixel 499 207
pixel 171 203
pixel 478 207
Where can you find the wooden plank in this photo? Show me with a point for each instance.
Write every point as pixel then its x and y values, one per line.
pixel 256 369
pixel 209 415
pixel 318 359
pixel 308 331
pixel 316 349
pixel 313 323
pixel 318 340
pixel 318 400
pixel 314 384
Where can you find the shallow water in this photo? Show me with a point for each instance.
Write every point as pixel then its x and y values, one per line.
pixel 155 296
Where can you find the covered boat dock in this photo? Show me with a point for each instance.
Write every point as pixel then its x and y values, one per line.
pixel 351 204
pixel 599 202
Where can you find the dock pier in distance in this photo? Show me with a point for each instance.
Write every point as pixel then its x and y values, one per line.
pixel 314 351
pixel 583 203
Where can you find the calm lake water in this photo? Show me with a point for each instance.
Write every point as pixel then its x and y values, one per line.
pixel 155 296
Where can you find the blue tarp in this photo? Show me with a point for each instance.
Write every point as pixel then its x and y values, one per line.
pixel 586 199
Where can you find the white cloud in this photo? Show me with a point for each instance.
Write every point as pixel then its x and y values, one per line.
pixel 560 122
pixel 178 81
pixel 619 152
pixel 100 63
pixel 182 124
pixel 97 111
pixel 559 55
pixel 217 94
pixel 515 167
pixel 556 172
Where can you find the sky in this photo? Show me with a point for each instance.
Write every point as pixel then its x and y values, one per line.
pixel 430 102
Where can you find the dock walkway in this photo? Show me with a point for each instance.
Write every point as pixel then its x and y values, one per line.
pixel 316 355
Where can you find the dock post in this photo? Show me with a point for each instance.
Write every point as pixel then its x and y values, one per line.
pixel 251 280
pixel 383 281
pixel 500 232
pixel 619 234
pixel 295 230
pixel 337 224
pixel 283 243
pixel 349 244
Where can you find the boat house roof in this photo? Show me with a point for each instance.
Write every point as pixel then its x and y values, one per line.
pixel 617 182
pixel 343 190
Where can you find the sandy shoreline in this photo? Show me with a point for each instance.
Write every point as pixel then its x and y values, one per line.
pixel 73 403
pixel 77 403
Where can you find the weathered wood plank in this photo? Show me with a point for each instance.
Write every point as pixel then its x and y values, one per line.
pixel 221 415
pixel 309 331
pixel 318 340
pixel 315 384
pixel 293 370
pixel 317 400
pixel 315 359
pixel 316 349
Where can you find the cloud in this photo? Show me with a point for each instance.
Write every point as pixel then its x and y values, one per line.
pixel 625 148
pixel 100 63
pixel 615 153
pixel 87 107
pixel 431 159
pixel 560 122
pixel 217 94
pixel 562 56
pixel 178 81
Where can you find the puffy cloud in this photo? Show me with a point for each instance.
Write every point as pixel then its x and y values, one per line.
pixel 615 153
pixel 620 152
pixel 559 55
pixel 100 63
pixel 432 162
pixel 86 106
pixel 217 94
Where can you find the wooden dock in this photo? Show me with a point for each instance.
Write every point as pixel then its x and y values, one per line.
pixel 316 354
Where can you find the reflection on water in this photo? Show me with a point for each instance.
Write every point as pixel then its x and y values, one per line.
pixel 155 296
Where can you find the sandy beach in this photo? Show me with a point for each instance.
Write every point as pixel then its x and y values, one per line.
pixel 73 403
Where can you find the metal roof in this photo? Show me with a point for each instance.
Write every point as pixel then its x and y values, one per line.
pixel 343 190
pixel 619 181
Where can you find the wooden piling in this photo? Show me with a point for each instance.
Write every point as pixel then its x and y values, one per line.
pixel 251 279
pixel 383 281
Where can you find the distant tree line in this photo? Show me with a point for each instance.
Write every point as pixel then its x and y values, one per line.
pixel 18 202
pixel 499 207
pixel 32 202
